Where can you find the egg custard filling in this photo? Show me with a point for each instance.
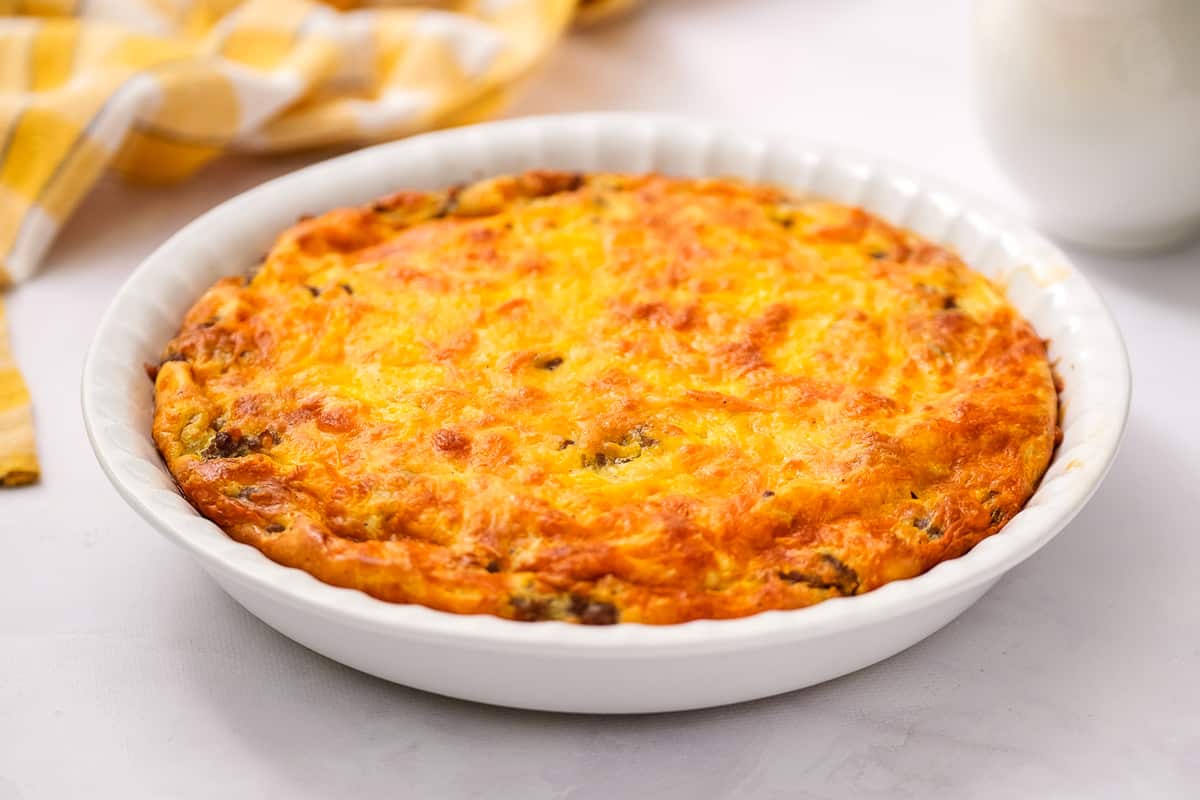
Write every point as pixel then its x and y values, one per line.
pixel 606 398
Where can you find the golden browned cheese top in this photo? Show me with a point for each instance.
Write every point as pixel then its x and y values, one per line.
pixel 606 398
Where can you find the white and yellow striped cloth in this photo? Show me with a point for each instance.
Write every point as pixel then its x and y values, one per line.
pixel 18 460
pixel 154 89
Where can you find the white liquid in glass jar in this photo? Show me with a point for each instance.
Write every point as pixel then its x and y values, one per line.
pixel 1092 107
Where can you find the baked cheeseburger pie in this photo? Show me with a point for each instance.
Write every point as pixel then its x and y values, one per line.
pixel 606 398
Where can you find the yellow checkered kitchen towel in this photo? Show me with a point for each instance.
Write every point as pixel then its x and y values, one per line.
pixel 156 88
pixel 18 461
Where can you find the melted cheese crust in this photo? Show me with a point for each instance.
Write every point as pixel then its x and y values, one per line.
pixel 606 398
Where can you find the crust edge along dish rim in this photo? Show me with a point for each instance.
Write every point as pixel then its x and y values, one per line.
pixel 1085 343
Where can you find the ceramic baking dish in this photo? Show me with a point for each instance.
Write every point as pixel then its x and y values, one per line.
pixel 626 667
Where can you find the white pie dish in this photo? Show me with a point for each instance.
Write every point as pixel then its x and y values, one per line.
pixel 627 667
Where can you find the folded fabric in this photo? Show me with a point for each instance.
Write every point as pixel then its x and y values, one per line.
pixel 18 460
pixel 589 11
pixel 154 90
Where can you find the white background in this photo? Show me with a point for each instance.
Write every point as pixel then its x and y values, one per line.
pixel 125 672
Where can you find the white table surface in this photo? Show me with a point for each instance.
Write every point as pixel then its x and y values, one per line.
pixel 125 671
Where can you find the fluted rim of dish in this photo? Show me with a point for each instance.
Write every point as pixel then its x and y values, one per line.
pixel 1040 281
